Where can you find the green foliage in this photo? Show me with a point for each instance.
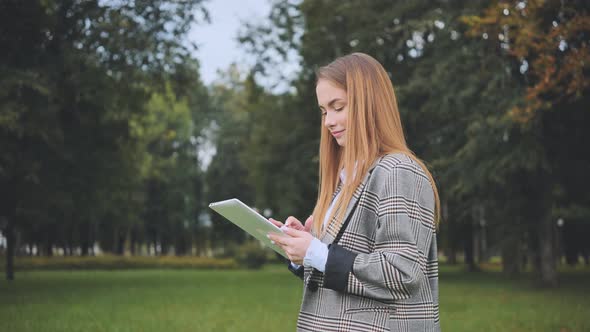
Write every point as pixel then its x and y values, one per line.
pixel 98 98
pixel 226 175
pixel 455 94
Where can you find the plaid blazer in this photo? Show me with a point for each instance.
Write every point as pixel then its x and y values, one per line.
pixel 382 274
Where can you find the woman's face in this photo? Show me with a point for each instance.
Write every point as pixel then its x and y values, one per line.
pixel 332 101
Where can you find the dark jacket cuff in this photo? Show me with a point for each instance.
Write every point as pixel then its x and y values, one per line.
pixel 338 266
pixel 296 271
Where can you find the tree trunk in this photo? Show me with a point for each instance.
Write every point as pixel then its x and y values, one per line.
pixel 483 245
pixel 10 249
pixel 48 247
pixel 546 234
pixel 570 240
pixel 121 236
pixel 543 230
pixel 469 256
pixel 84 237
pixel 511 255
pixel 453 240
pixel 133 240
pixel 451 234
pixel 476 243
pixel 534 258
pixel 452 256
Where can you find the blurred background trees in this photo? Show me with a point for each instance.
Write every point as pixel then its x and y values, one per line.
pixel 100 105
pixel 103 116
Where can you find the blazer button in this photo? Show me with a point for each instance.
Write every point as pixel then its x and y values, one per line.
pixel 312 286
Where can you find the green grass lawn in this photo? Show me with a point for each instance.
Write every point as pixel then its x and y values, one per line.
pixel 267 300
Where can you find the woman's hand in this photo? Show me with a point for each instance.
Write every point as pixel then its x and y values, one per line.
pixel 294 243
pixel 297 238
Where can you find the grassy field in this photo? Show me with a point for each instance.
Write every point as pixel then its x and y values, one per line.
pixel 267 300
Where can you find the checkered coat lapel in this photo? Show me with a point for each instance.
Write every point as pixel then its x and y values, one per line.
pixel 333 229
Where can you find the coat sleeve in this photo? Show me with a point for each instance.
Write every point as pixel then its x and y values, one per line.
pixel 297 271
pixel 396 267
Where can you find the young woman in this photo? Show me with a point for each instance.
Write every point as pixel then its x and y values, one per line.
pixel 368 254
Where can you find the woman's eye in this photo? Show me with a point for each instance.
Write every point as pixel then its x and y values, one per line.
pixel 339 109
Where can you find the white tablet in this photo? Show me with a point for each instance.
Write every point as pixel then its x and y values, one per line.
pixel 249 220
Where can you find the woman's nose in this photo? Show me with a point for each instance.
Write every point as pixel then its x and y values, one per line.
pixel 328 120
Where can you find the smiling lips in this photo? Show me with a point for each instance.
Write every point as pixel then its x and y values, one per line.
pixel 338 134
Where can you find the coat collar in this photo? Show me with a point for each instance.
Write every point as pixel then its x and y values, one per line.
pixel 330 234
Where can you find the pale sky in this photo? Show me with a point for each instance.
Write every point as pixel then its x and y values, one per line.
pixel 218 48
pixel 218 45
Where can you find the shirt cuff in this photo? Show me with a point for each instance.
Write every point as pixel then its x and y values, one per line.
pixel 316 255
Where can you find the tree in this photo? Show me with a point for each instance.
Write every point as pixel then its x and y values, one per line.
pixel 547 41
pixel 73 74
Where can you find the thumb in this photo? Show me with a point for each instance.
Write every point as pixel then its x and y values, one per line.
pixel 308 223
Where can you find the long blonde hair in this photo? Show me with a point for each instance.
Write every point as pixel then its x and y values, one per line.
pixel 374 129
